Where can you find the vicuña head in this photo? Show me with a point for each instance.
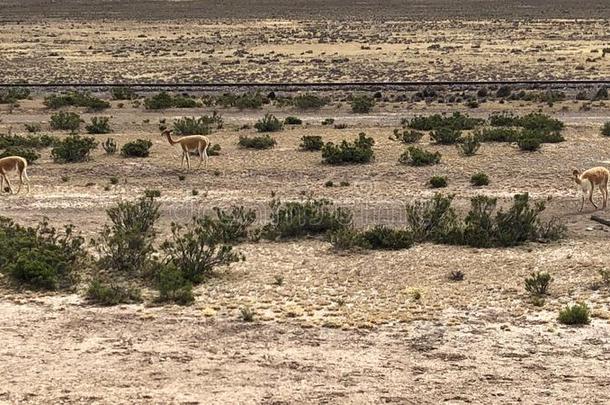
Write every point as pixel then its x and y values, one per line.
pixel 588 180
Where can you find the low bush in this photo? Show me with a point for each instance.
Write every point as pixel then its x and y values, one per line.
pixel 384 238
pixel 123 93
pixel 14 94
pixel 73 148
pixel 164 100
pixel 311 217
pixel 126 245
pixel 173 286
pixel 76 99
pixel 110 146
pixel 229 226
pixel 40 257
pixel 503 119
pixel 577 314
pixel 293 121
pixel 433 220
pixel 214 150
pixel 311 143
pixel 469 145
pixel 29 141
pixel 249 101
pixel 108 294
pixel 605 131
pixel 328 121
pixel 360 151
pixel 538 283
pixel 415 156
pixel 33 128
pixel 66 121
pixel 457 121
pixel 446 136
pixel 362 104
pixel 269 123
pixel 137 148
pixel 192 126
pixel 479 179
pixel 99 125
pixel 438 181
pixel 309 102
pixel 529 142
pixel 406 136
pixel 27 153
pixel 257 142
pixel 498 135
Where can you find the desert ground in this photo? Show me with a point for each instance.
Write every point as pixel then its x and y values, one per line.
pixel 342 327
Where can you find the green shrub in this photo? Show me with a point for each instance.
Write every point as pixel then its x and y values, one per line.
pixel 192 126
pixel 27 153
pixel 362 104
pixel 251 101
pixel 446 136
pixel 99 125
pixel 503 91
pixel 479 226
pixel 602 94
pixel 605 131
pixel 469 145
pixel 257 142
pixel 311 217
pixel 108 294
pixel 457 121
pixel 172 286
pixel 14 94
pixel 432 220
pixel 415 156
pixel 269 123
pixel 360 151
pixel 328 121
pixel 529 142
pixel 229 226
pixel 109 146
pixel 159 101
pixel 185 102
pixel 538 283
pixel 293 121
pixel 29 141
pixel 406 136
pixel 577 314
pixel 195 250
pixel 123 93
pixel 73 148
pixel 65 120
pixel 32 128
pixel 40 257
pixel 503 119
pixel 137 148
pixel 214 150
pixel 311 142
pixel 438 181
pixel 76 99
pixel 498 135
pixel 540 122
pixel 479 179
pixel 384 238
pixel 126 245
pixel 309 102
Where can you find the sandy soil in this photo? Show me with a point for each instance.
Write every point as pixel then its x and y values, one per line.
pixel 341 328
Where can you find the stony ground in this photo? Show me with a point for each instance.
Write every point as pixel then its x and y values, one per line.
pixel 341 328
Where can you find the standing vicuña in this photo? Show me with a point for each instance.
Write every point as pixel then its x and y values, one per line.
pixel 197 143
pixel 9 164
pixel 597 176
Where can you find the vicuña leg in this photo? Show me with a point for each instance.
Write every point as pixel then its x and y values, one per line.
pixel 591 197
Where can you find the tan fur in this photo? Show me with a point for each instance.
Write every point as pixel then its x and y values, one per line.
pixel 197 143
pixel 588 180
pixel 12 163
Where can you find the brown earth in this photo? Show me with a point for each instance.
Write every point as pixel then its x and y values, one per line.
pixel 342 328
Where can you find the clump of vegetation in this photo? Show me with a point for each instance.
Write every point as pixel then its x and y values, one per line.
pixel 173 286
pixel 384 238
pixel 309 102
pixel 230 226
pixel 406 136
pixel 498 135
pixel 99 125
pixel 438 181
pixel 479 179
pixel 33 128
pixel 605 131
pixel 30 155
pixel 164 100
pixel 246 314
pixel 269 123
pixel 529 142
pixel 125 246
pixel 29 141
pixel 328 121
pixel 311 217
pixel 66 120
pixel 293 121
pixel 40 257
pixel 577 314
pixel 469 145
pixel 137 148
pixel 362 104
pixel 446 136
pixel 111 293
pixel 415 156
pixel 257 142
pixel 538 283
pixel 360 151
pixel 311 143
pixel 198 126
pixel 456 122
pixel 123 93
pixel 456 275
pixel 110 146
pixel 73 148
pixel 14 94
pixel 76 99
pixel 244 101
